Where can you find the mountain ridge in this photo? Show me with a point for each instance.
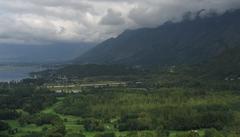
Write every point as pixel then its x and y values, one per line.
pixel 187 42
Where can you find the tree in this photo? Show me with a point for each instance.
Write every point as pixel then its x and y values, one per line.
pixel 135 121
pixel 75 135
pixel 4 126
pixel 189 134
pixel 93 125
pixel 34 134
pixel 161 132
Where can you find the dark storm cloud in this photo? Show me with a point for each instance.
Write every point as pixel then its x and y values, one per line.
pixel 52 21
pixel 164 10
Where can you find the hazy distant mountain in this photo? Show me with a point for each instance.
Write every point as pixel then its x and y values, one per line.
pixel 187 42
pixel 41 54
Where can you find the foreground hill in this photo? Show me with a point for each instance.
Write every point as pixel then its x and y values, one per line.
pixel 187 42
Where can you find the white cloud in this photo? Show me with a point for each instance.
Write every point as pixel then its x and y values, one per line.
pixel 91 21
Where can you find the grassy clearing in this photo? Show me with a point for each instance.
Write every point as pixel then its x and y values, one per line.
pixel 71 122
pixel 24 130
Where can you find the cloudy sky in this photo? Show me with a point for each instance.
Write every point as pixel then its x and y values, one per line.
pixel 90 21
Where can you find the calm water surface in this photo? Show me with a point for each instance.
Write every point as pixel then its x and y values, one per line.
pixel 16 73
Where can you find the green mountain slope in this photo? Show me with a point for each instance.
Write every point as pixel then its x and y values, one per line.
pixel 226 65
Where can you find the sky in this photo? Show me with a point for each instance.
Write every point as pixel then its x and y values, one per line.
pixel 42 22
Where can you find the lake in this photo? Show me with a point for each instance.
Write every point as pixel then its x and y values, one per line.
pixel 16 73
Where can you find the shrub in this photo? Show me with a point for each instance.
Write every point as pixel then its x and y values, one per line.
pixel 75 135
pixel 105 135
pixel 212 133
pixel 140 134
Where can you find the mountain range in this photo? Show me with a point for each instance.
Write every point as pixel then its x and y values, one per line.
pixel 191 41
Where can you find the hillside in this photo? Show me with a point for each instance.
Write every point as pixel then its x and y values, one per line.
pixel 187 42
pixel 226 65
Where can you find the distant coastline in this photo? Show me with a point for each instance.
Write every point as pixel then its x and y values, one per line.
pixel 15 72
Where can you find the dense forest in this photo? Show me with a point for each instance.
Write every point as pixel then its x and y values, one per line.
pixel 167 102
